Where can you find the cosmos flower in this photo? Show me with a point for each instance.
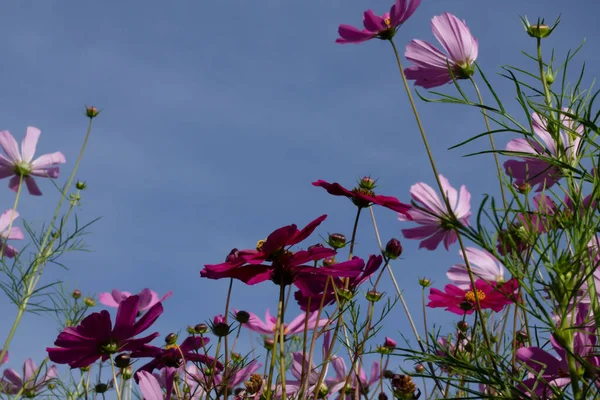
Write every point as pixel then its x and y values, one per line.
pixel 432 214
pixel 19 163
pixel 293 328
pixel 431 65
pixel 95 337
pixel 31 383
pixel 461 301
pixel 337 387
pixel 15 232
pixel 363 195
pixel 483 265
pixel 383 27
pixel 148 298
pixel 541 156
pixel 150 386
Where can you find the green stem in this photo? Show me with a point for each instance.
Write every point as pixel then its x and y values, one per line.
pixel 114 373
pixel 41 255
pixel 281 341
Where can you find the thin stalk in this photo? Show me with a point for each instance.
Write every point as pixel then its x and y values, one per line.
pixel 281 339
pixel 114 373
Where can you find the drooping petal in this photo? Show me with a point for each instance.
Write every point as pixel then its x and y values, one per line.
pixel 32 186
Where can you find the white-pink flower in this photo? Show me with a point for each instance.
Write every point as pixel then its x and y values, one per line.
pixel 483 265
pixel 21 163
pixel 431 65
pixel 148 298
pixel 293 328
pixel 432 214
pixel 30 383
pixel 15 232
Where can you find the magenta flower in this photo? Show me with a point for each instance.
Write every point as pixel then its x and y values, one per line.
pixel 541 155
pixel 363 195
pixel 389 343
pixel 286 267
pixel 550 371
pixel 295 327
pixel 15 232
pixel 483 265
pixel 148 298
pixel 96 338
pixel 31 383
pixel 383 27
pixel 174 356
pixel 19 163
pixel 460 301
pixel 431 65
pixel 432 214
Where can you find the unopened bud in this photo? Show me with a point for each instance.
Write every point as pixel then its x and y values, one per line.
pixel 232 256
pixel 387 374
pixel 220 327
pixel 382 396
pixel 201 329
pixel 367 183
pixel 419 368
pixel 393 249
pixel 522 187
pixel 127 372
pixel 242 317
pixel 236 357
pixel 91 112
pixel 76 294
pixel 269 343
pixel 462 326
pixel 336 240
pixel 89 302
pixel 329 261
pixel 171 338
pixel 374 296
pixel 190 330
pixel 123 360
pixel 424 282
pixel 80 185
pixel 101 388
pixel 539 31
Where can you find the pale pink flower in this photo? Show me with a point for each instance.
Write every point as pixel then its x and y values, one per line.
pixel 432 214
pixel 19 162
pixel 15 232
pixel 148 298
pixel 483 265
pixel 150 386
pixel 536 171
pixel 431 65
pixel 31 383
pixel 293 328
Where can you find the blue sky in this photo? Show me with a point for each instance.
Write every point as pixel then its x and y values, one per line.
pixel 216 117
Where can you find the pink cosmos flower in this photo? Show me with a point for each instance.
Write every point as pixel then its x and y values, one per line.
pixel 236 375
pixel 312 374
pixel 483 265
pixel 550 371
pixel 150 386
pixel 19 163
pixel 95 337
pixel 460 301
pixel 295 327
pixel 539 172
pixel 147 297
pixel 383 27
pixel 15 233
pixel 31 383
pixel 364 383
pixel 432 214
pixel 431 65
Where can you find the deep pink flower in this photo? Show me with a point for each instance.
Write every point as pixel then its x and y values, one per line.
pixel 483 265
pixel 460 301
pixel 390 343
pixel 19 163
pixel 431 65
pixel 432 214
pixel 363 196
pixel 537 171
pixel 174 356
pixel 383 27
pixel 314 289
pixel 286 266
pixel 15 232
pixel 293 328
pixel 96 338
pixel 31 383
pixel 148 298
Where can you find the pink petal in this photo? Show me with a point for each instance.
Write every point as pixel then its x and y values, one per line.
pixel 51 172
pixel 6 171
pixel 6 218
pixel 29 369
pixel 350 34
pixel 149 386
pixel 10 146
pixel 48 160
pixel 424 194
pixel 373 22
pixel 108 300
pixel 29 143
pixel 32 186
pixel 14 183
pixel 455 37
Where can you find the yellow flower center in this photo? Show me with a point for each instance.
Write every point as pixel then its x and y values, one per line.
pixel 388 22
pixel 470 295
pixel 259 245
pixel 171 346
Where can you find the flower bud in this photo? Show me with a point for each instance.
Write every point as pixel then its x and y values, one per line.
pixel 469 347
pixel 190 330
pixel 523 187
pixel 382 396
pixel 549 76
pixel 539 31
pixel 393 249
pixel 419 368
pixel 522 336
pixel 424 282
pixel 269 343
pixel 127 372
pixel 236 357
pixel 374 296
pixel 101 388
pixel 123 360
pixel 80 185
pixel 91 112
pixel 462 326
pixel 466 305
pixel 89 302
pixel 242 317
pixel 389 343
pixel 367 183
pixel 329 261
pixel 171 338
pixel 336 240
pixel 200 329
pixel 232 256
pixel 84 369
pixel 76 294
pixel 387 374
